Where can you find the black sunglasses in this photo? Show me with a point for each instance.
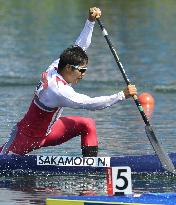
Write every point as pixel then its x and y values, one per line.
pixel 81 69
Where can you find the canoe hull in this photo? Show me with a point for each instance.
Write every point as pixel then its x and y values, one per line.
pixel 138 164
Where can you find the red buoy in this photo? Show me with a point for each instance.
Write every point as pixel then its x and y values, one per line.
pixel 147 101
pixel 146 98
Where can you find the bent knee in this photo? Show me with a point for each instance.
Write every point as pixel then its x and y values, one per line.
pixel 89 123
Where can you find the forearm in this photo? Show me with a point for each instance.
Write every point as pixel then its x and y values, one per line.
pixel 84 39
pixel 85 102
pixel 99 103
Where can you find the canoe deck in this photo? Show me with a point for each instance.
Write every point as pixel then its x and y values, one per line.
pixel 150 199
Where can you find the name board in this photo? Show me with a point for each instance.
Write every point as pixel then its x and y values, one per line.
pixel 73 161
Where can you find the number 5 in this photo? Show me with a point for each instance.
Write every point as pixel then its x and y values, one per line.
pixel 121 177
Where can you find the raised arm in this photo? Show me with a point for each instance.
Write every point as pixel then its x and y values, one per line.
pixel 84 39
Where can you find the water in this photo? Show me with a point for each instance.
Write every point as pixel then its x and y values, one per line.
pixel 33 33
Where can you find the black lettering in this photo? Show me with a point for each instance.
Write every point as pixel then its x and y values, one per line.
pixel 61 161
pixel 120 176
pixel 90 161
pixel 101 162
pixel 47 160
pixel 40 160
pixel 53 160
pixel 77 159
pixel 83 160
pixel 69 160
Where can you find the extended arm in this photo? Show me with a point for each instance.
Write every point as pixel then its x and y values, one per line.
pixel 65 96
pixel 84 39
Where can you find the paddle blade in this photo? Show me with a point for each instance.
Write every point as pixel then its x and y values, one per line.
pixel 160 152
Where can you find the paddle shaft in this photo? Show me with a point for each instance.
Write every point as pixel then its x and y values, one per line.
pixel 162 155
pixel 139 106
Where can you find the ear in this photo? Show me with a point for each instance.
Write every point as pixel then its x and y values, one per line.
pixel 68 67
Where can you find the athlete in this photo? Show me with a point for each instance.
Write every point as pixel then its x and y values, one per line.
pixel 43 125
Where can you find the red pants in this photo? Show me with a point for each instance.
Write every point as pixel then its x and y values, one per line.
pixel 64 129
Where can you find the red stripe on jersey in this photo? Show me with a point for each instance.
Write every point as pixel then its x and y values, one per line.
pixel 58 79
pixel 44 80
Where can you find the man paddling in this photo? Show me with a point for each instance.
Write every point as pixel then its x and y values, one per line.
pixel 43 125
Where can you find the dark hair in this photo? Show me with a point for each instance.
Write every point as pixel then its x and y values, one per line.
pixel 73 56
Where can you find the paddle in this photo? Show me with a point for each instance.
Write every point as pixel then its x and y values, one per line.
pixel 160 152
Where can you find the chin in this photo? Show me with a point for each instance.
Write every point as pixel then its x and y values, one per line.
pixel 75 82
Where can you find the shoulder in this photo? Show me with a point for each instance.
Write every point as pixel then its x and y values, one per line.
pixel 56 81
pixel 53 65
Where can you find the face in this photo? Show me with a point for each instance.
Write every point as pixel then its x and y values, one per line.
pixel 76 73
